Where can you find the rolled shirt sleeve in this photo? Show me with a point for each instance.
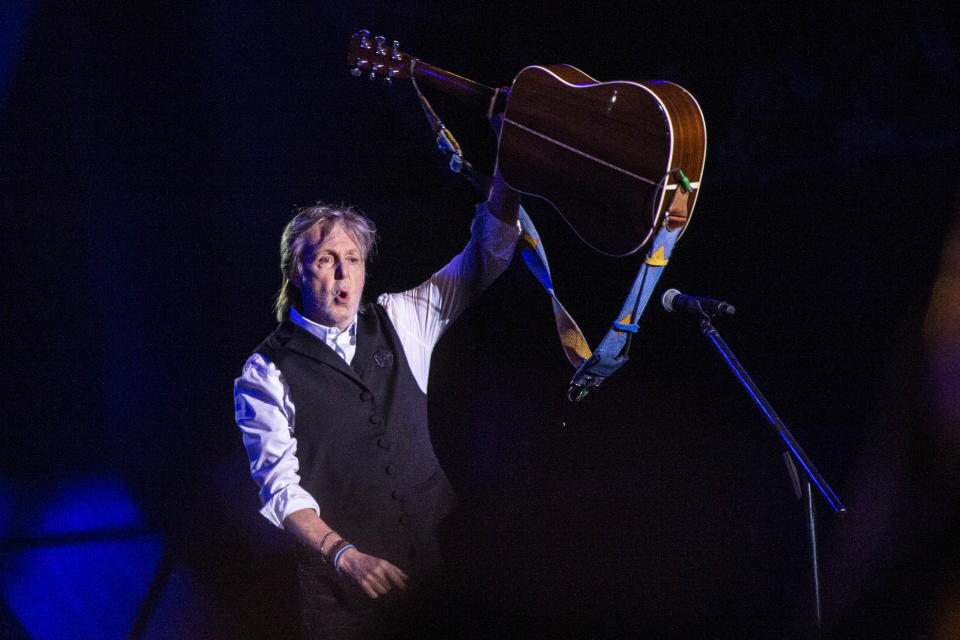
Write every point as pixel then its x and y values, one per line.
pixel 265 414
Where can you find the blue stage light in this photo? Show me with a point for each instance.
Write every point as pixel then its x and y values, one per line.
pixel 84 565
pixel 87 504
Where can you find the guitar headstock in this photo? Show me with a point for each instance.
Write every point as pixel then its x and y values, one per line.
pixel 377 57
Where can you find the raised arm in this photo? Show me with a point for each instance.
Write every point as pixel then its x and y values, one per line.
pixel 422 314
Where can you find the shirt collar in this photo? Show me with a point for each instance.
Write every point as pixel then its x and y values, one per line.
pixel 325 333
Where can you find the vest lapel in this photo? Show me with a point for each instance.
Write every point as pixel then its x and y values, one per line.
pixel 367 343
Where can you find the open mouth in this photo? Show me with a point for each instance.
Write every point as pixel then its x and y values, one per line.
pixel 342 295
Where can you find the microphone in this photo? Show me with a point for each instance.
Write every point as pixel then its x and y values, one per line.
pixel 673 300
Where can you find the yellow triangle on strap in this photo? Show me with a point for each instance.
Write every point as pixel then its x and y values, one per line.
pixel 572 340
pixel 656 258
pixel 575 347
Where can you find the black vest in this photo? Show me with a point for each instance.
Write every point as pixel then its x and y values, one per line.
pixel 362 439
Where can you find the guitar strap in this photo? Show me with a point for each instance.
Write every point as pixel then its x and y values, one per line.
pixel 592 367
pixel 445 140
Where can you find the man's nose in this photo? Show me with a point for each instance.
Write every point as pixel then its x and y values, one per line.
pixel 338 270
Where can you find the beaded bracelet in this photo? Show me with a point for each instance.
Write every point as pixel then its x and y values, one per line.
pixel 336 558
pixel 323 540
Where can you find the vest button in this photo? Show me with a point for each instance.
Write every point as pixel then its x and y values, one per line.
pixel 389 470
pixel 396 494
pixel 364 395
pixel 383 443
pixel 374 418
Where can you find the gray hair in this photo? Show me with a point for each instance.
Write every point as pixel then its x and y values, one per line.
pixel 326 217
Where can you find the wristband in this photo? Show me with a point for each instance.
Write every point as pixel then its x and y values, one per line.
pixel 336 558
pixel 328 558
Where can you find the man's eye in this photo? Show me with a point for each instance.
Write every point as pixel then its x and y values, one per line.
pixel 323 260
pixel 354 260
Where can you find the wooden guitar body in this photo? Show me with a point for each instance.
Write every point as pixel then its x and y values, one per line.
pixel 601 153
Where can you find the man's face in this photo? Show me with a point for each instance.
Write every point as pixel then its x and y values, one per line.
pixel 330 277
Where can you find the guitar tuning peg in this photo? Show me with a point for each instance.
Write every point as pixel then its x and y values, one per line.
pixel 395 54
pixel 357 71
pixel 381 49
pixel 365 39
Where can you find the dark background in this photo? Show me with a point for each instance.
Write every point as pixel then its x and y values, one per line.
pixel 150 154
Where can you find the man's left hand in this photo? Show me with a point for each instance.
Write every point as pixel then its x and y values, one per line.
pixel 374 575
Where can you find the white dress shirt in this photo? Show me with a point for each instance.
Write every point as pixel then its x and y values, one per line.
pixel 265 411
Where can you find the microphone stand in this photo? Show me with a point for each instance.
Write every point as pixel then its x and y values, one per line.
pixel 794 454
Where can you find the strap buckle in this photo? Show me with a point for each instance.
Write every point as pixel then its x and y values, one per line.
pixel 592 372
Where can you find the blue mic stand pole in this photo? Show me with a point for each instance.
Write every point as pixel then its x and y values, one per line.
pixel 795 454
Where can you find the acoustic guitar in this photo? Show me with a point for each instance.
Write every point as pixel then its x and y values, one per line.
pixel 607 155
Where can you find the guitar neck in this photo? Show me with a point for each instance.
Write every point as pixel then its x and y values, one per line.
pixel 381 59
pixel 464 89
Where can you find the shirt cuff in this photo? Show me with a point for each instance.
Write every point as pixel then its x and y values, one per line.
pixel 288 500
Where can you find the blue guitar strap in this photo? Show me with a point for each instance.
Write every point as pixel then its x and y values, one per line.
pixel 594 367
pixel 574 344
pixel 612 352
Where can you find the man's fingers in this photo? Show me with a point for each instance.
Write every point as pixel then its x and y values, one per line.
pixel 382 578
pixel 387 576
pixel 376 576
pixel 397 576
pixel 375 584
pixel 378 586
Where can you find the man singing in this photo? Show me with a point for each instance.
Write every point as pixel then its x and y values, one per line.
pixel 333 411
